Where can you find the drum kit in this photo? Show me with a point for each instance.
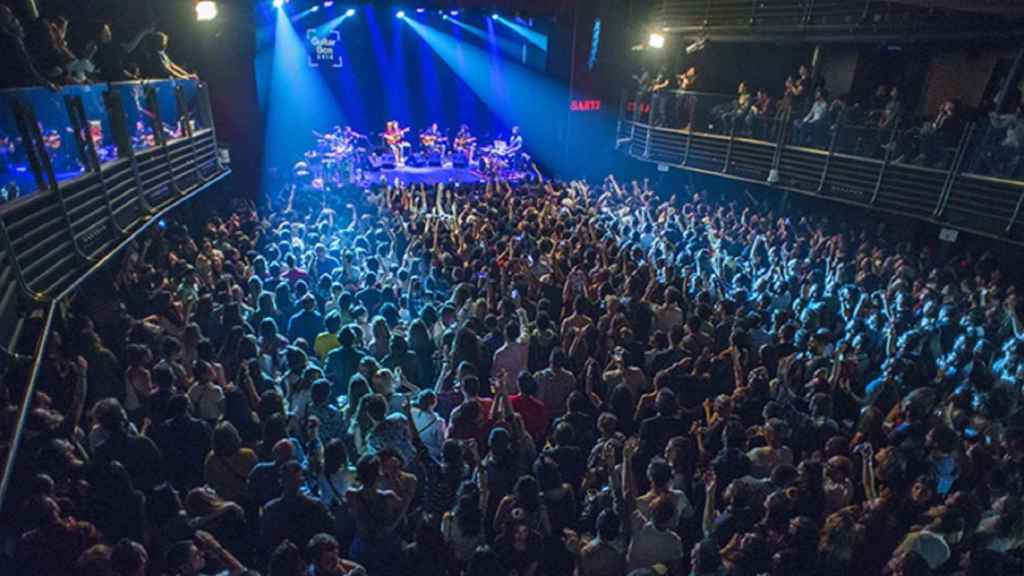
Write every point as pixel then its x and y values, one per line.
pixel 339 156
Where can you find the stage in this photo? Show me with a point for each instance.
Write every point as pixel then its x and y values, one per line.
pixel 433 175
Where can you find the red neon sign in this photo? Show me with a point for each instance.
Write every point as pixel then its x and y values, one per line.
pixel 645 108
pixel 585 105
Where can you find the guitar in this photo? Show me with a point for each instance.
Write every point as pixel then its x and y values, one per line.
pixel 464 141
pixel 396 137
pixel 429 140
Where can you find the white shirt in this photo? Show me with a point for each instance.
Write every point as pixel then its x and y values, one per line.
pixel 817 111
pixel 432 430
pixel 207 400
pixel 650 546
pixel 333 487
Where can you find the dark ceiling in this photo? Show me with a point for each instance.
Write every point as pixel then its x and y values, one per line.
pixel 1012 8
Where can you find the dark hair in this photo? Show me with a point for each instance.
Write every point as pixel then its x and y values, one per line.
pixel 126 557
pixel 376 407
pixel 335 455
pixel 484 562
pixel 527 384
pixel 226 440
pixel 368 469
pixel 564 434
pixel 659 472
pixel 608 525
pixel 527 493
pixel 333 322
pixel 468 515
pixel 577 402
pixel 549 477
pixel 286 560
pixel 178 554
pixel 665 402
pixel 471 386
pixel 321 392
pixel 319 544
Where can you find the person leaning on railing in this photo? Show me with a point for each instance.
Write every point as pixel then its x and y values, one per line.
pixel 154 62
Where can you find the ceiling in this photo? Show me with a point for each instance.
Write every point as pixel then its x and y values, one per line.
pixel 1012 8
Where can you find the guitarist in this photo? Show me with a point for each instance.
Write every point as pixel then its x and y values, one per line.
pixel 431 140
pixel 394 137
pixel 465 143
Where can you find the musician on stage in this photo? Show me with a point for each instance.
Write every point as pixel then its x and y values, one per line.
pixel 394 137
pixel 350 135
pixel 465 143
pixel 432 140
pixel 515 142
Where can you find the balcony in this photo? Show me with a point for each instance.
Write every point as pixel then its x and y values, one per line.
pixel 83 170
pixel 968 181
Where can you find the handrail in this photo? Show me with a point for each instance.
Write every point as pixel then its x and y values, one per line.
pixel 44 337
pixel 885 190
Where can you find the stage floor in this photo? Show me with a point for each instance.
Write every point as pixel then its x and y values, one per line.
pixel 432 175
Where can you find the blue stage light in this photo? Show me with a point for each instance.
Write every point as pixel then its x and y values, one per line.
pixel 421 10
pixel 454 13
pixel 350 12
pixel 328 3
pixel 278 3
pixel 314 9
pixel 400 14
pixel 495 16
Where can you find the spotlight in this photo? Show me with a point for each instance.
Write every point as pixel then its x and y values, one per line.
pixel 400 14
pixel 206 10
pixel 350 12
pixel 328 3
pixel 656 41
pixel 278 3
pixel 314 9
pixel 421 10
pixel 495 16
pixel 454 13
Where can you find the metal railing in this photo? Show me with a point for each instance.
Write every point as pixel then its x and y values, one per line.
pixel 86 170
pixel 963 175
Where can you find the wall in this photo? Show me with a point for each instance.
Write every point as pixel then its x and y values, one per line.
pixel 958 75
pixel 838 68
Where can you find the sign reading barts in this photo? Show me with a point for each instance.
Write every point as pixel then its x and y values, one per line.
pixel 324 49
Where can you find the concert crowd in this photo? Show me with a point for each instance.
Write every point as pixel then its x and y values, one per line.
pixel 533 379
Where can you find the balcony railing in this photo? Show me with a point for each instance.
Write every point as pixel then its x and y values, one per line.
pixel 83 172
pixel 968 178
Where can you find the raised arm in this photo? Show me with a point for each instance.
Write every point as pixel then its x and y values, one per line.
pixel 711 487
pixel 629 451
